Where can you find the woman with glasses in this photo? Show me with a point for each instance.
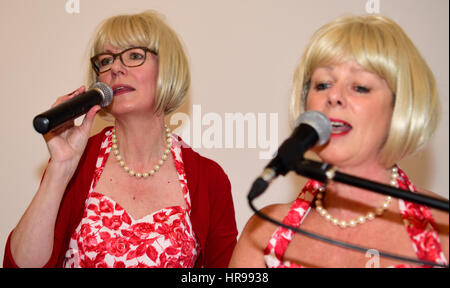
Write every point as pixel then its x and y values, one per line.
pixel 133 195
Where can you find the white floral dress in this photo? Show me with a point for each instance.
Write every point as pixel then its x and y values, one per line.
pixel 419 223
pixel 108 236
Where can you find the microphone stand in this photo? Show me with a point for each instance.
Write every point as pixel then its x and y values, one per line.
pixel 324 172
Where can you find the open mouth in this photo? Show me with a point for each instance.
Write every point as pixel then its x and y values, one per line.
pixel 339 127
pixel 122 89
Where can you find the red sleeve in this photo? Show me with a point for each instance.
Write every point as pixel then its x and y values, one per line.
pixel 8 261
pixel 222 233
pixel 61 225
pixel 71 208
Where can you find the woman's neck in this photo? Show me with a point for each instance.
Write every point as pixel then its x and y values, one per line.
pixel 348 201
pixel 141 142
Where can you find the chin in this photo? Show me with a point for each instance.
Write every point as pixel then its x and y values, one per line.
pixel 331 156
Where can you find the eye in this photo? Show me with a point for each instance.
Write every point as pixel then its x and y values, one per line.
pixel 322 86
pixel 362 89
pixel 135 56
pixel 104 61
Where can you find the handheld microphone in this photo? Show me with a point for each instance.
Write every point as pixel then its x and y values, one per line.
pixel 312 128
pixel 99 94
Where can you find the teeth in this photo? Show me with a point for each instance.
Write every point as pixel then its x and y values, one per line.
pixel 337 124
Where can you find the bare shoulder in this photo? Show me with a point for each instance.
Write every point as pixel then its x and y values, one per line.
pixel 249 251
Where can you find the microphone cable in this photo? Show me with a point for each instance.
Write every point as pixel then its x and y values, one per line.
pixel 340 243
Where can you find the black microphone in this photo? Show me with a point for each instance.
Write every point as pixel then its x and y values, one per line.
pixel 312 128
pixel 98 94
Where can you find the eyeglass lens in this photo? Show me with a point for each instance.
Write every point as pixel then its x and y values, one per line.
pixel 131 58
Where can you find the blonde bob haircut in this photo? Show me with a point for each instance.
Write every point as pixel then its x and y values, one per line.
pixel 148 29
pixel 381 46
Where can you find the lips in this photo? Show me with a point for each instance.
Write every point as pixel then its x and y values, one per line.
pixel 339 127
pixel 122 89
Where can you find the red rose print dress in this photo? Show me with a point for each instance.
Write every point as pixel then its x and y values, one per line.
pixel 421 227
pixel 108 236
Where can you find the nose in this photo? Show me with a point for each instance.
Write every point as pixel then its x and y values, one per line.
pixel 336 95
pixel 118 68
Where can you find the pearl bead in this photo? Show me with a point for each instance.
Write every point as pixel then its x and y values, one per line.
pixel 115 149
pixel 361 219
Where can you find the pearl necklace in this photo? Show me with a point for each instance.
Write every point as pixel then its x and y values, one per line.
pixel 361 219
pixel 130 172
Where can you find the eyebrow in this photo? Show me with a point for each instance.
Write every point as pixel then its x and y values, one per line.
pixel 352 69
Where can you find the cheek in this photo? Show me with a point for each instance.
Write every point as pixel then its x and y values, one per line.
pixel 148 78
pixel 312 102
pixel 104 78
pixel 377 126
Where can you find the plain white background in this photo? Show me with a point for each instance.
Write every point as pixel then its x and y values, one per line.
pixel 242 53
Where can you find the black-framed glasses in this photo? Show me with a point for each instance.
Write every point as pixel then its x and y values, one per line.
pixel 131 57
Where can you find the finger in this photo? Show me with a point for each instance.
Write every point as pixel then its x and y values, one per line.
pixel 59 130
pixel 89 118
pixel 80 90
pixel 66 97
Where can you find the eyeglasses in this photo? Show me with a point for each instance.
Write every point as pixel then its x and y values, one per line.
pixel 131 57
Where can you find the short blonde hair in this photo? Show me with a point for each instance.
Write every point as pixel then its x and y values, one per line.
pixel 149 29
pixel 381 46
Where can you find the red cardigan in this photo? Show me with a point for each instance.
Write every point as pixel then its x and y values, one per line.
pixel 212 213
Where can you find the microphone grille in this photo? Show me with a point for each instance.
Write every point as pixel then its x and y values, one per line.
pixel 106 92
pixel 319 122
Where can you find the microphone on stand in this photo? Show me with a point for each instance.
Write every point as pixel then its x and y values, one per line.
pixel 312 128
pixel 99 94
